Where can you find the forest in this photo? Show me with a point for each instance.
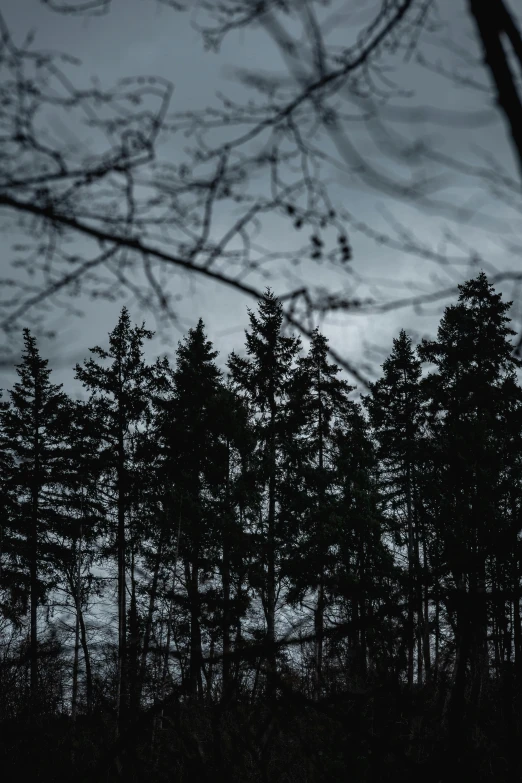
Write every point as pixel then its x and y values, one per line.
pixel 252 576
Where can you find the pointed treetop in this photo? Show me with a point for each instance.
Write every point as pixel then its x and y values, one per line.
pixel 195 357
pixel 33 368
pixel 473 334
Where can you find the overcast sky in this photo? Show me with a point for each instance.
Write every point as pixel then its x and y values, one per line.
pixel 145 37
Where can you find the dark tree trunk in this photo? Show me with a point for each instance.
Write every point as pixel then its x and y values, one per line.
pixel 271 578
pixel 33 569
pixel 150 615
pixel 122 603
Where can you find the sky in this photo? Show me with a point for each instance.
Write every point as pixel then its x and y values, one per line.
pixel 146 37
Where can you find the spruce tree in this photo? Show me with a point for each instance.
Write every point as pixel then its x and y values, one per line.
pixel 33 427
pixel 318 400
pixel 470 395
pixel 263 378
pixel 194 467
pixel 120 385
pixel 396 416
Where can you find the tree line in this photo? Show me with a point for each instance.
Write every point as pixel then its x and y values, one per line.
pixel 251 575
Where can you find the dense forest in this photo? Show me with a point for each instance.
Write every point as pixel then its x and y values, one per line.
pixel 252 576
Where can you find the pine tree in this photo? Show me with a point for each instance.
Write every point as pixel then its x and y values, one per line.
pixel 263 378
pixel 33 426
pixel 195 469
pixel 470 394
pixel 120 394
pixel 318 399
pixel 396 415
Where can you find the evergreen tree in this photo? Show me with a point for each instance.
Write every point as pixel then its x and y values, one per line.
pixel 318 400
pixel 195 468
pixel 470 396
pixel 263 377
pixel 33 425
pixel 120 394
pixel 229 508
pixel 396 416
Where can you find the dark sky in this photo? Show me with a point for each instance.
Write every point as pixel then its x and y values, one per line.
pixel 145 37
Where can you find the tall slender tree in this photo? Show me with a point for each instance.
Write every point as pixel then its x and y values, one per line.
pixel 264 377
pixel 195 468
pixel 318 401
pixel 120 385
pixel 33 426
pixel 396 415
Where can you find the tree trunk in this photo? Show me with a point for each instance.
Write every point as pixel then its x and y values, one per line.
pixel 319 610
pixel 456 722
pixel 426 635
pixel 122 610
pixel 150 616
pixel 166 658
pixel 271 579
pixel 133 647
pixel 77 600
pixel 318 641
pixel 225 575
pixel 195 662
pixel 33 568
pixel 87 660
pixel 411 582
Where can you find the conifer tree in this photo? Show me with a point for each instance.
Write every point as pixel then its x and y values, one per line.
pixel 120 388
pixel 33 425
pixel 469 394
pixel 318 400
pixel 193 464
pixel 395 411
pixel 263 377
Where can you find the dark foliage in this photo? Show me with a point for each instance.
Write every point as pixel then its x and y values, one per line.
pixel 257 578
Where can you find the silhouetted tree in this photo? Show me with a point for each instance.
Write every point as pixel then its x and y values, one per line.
pixel 263 377
pixel 396 415
pixel 33 426
pixel 119 395
pixel 470 394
